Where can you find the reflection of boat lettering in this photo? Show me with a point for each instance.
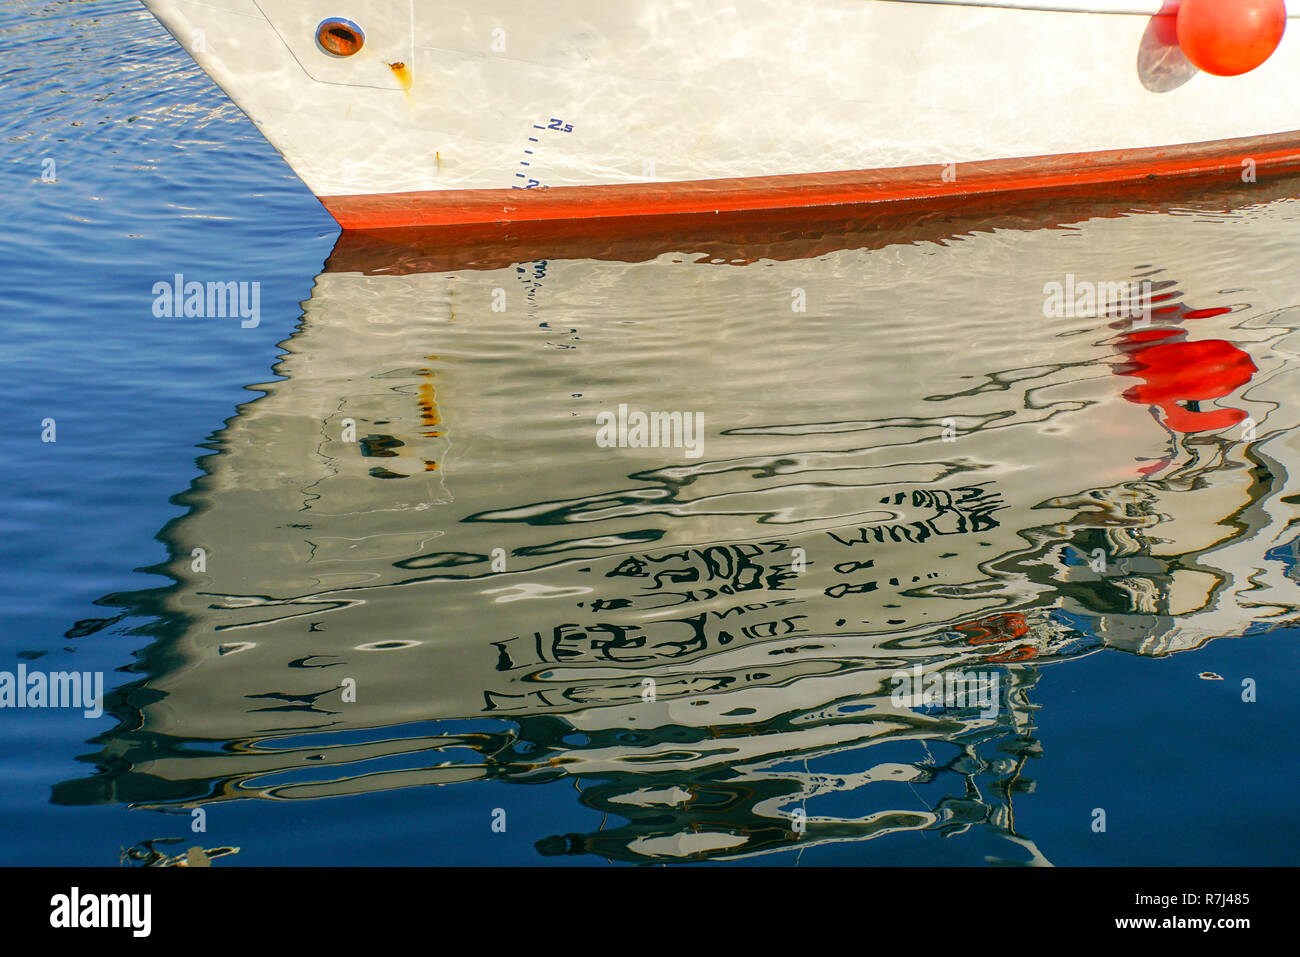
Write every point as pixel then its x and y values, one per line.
pixel 608 694
pixel 731 562
pixel 708 594
pixel 570 643
pixel 971 512
pixel 843 568
pixel 842 589
pixel 755 606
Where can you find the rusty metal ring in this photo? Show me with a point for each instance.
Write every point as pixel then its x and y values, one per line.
pixel 339 37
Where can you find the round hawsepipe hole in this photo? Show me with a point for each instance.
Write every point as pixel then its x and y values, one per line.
pixel 339 37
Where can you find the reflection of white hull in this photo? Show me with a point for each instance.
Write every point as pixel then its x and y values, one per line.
pixel 690 106
pixel 336 539
pixel 338 560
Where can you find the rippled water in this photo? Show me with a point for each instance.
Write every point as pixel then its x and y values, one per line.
pixel 432 617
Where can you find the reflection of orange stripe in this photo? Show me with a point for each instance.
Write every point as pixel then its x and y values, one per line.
pixel 1048 175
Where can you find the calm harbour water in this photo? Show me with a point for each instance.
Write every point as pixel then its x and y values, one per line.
pixel 429 601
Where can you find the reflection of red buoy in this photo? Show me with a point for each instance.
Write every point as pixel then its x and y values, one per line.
pixel 1230 37
pixel 1177 376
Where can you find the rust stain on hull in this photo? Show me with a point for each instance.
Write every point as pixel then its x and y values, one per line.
pixel 403 74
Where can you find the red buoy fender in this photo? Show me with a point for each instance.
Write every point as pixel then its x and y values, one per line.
pixel 1230 37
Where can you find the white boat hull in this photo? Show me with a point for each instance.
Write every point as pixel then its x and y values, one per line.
pixel 661 96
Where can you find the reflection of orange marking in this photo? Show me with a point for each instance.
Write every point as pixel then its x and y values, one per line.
pixel 1023 653
pixel 428 405
pixel 429 410
pixel 430 466
pixel 995 628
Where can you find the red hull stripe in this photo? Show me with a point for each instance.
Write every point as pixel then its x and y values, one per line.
pixel 1058 174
